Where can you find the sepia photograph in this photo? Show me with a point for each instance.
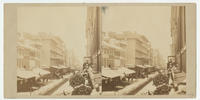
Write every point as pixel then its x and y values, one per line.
pixel 57 51
pixel 144 47
pixel 93 50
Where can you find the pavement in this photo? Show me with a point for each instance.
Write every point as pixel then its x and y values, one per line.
pixel 147 90
pixel 48 89
pixel 133 88
pixel 137 87
pixel 42 90
pixel 65 89
pixel 181 90
pixel 179 78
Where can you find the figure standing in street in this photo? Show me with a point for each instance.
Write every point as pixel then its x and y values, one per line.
pixel 85 65
pixel 170 69
pixel 88 73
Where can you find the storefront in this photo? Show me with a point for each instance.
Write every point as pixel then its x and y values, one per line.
pixel 141 71
pixel 26 80
pixel 126 73
pixel 110 79
pixel 43 74
pixel 59 71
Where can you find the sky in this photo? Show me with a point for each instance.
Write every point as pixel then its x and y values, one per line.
pixel 69 23
pixel 150 21
pixel 66 22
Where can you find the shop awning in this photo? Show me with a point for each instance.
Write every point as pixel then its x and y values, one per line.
pixel 123 70
pixel 141 66
pixel 148 66
pixel 26 74
pixel 19 79
pixel 40 71
pixel 56 67
pixel 106 72
pixel 63 67
pixel 45 66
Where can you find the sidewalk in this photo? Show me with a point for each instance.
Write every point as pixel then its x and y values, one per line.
pixel 146 90
pixel 54 87
pixel 180 80
pixel 67 89
pixel 42 90
pixel 133 88
pixel 62 88
pixel 181 90
pixel 179 77
pixel 45 90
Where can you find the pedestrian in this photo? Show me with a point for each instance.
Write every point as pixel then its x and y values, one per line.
pixel 171 68
pixel 88 72
pixel 85 65
pixel 169 64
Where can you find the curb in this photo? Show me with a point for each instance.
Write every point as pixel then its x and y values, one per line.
pixel 51 90
pixel 137 89
pixel 132 89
